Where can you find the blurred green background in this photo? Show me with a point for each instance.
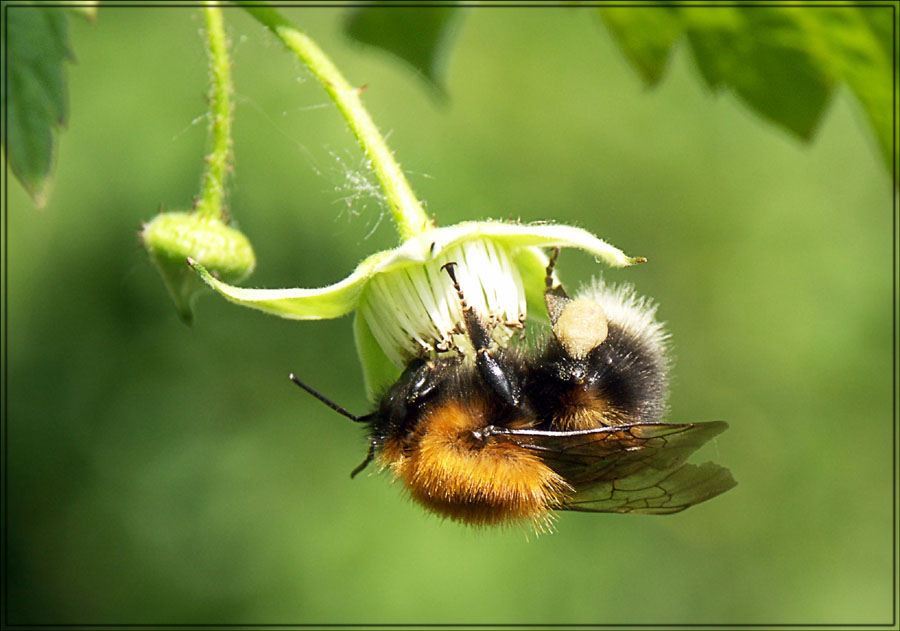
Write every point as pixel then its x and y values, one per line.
pixel 163 474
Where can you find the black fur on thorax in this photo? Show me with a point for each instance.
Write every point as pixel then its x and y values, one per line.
pixel 625 370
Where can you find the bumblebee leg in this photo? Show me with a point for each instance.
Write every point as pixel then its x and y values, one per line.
pixel 548 279
pixel 479 334
pixel 370 456
pixel 555 296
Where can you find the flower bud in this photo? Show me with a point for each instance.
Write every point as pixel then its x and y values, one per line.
pixel 173 237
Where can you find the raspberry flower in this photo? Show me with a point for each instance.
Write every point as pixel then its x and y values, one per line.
pixel 406 307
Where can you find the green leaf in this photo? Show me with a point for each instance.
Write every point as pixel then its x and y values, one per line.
pixel 414 34
pixel 861 41
pixel 784 61
pixel 35 42
pixel 85 9
pixel 762 55
pixel 646 35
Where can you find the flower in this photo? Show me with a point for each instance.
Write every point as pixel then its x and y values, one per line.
pixel 406 307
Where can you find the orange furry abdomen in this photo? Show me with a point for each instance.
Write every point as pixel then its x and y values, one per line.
pixel 584 408
pixel 482 482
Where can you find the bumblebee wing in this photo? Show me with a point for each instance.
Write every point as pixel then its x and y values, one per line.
pixel 632 468
pixel 653 492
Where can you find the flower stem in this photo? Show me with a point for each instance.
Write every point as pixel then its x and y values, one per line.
pixel 212 194
pixel 409 217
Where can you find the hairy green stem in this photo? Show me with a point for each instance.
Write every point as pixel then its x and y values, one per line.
pixel 409 217
pixel 212 194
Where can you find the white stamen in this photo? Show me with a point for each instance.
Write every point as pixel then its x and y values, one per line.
pixel 416 309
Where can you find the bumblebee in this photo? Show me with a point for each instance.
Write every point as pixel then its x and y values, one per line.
pixel 570 422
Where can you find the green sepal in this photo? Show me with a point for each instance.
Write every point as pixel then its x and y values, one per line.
pixel 532 264
pixel 378 371
pixel 341 298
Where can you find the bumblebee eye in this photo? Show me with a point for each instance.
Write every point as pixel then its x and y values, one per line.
pixel 581 327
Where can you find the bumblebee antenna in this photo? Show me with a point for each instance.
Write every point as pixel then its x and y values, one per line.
pixel 321 397
pixel 370 455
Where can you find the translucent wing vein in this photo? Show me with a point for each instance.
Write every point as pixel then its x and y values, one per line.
pixel 632 468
